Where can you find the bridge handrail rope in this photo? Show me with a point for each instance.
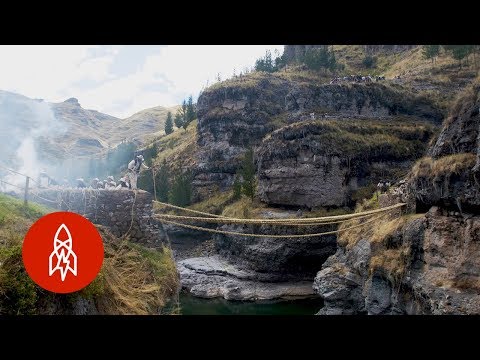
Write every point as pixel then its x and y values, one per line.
pixel 216 231
pixel 188 210
pixel 253 222
pixel 315 220
pixel 19 187
pixel 18 173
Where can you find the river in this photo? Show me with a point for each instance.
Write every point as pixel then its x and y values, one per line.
pixel 191 305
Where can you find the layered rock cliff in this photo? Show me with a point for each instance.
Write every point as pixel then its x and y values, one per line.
pixel 252 268
pixel 421 263
pixel 331 146
pixel 237 114
pixel 325 163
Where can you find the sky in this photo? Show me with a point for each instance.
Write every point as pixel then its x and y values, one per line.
pixel 120 80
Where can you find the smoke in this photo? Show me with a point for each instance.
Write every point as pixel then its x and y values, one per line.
pixel 26 127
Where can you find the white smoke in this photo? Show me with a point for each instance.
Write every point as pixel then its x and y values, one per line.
pixel 24 125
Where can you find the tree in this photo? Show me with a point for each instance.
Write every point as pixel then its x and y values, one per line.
pixel 369 61
pixel 265 63
pixel 247 170
pixel 237 188
pixel 183 114
pixel 169 124
pixel 162 182
pixel 181 192
pixel 431 52
pixel 190 112
pixel 318 58
pixel 178 119
pixel 459 52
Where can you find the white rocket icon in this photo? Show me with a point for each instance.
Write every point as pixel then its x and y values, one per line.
pixel 62 257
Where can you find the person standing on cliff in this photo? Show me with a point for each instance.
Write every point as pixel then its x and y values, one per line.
pixel 134 168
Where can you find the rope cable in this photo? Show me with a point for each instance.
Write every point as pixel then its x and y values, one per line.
pixel 216 231
pixel 315 220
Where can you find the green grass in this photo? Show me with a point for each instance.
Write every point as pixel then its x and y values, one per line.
pixel 133 279
pixel 178 145
pixel 11 207
pixel 215 203
pixel 396 140
pixel 18 293
pixel 444 166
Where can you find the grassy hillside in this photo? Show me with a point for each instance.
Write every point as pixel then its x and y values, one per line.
pixel 133 279
pixel 442 80
pixel 178 148
pixel 401 138
pixel 144 125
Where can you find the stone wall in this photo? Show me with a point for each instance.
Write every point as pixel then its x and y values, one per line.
pixel 119 210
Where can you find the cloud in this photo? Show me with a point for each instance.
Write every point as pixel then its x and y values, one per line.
pixel 120 80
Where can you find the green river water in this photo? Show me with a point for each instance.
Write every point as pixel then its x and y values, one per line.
pixel 191 305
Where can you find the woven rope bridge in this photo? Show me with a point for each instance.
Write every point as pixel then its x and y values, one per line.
pixel 369 217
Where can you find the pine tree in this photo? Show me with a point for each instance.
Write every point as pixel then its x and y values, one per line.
pixel 266 63
pixel 181 192
pixel 178 119
pixel 247 170
pixel 169 124
pixel 183 114
pixel 431 52
pixel 318 58
pixel 190 114
pixel 237 188
pixel 162 182
pixel 459 52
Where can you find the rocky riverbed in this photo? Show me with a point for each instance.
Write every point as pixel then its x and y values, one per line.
pixel 244 268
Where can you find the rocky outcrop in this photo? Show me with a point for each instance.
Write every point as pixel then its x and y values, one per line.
pixel 449 182
pixel 213 276
pixel 419 264
pixel 247 268
pixel 237 114
pixel 282 258
pixel 450 177
pixel 461 130
pixel 323 163
pixel 438 270
pixel 231 119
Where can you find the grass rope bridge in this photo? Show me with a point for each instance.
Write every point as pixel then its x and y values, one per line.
pixel 234 233
pixel 317 221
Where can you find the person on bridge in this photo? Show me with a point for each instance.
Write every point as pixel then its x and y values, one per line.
pixel 122 184
pixel 134 168
pixel 94 183
pixel 81 183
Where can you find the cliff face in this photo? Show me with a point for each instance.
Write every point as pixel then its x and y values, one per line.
pixel 324 163
pixel 248 268
pixel 430 265
pixel 424 263
pixel 450 177
pixel 284 258
pixel 237 114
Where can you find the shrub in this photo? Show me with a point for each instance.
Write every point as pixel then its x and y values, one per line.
pixel 370 61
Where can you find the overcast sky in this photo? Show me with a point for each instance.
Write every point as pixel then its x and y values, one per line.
pixel 120 80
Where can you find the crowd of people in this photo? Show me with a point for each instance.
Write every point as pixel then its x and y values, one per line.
pixel 128 181
pixel 356 79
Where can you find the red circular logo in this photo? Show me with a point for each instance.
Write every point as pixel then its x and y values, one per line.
pixel 62 252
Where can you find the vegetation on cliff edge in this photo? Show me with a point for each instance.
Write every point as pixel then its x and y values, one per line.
pixel 133 279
